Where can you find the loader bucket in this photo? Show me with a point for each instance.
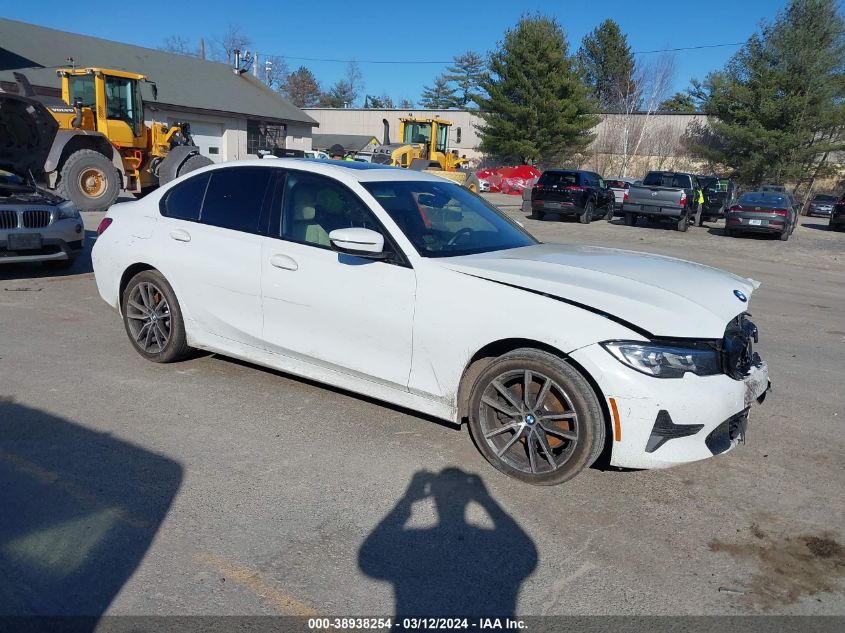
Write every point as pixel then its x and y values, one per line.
pixel 27 132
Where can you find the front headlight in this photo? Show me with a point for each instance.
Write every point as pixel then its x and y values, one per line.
pixel 68 212
pixel 666 361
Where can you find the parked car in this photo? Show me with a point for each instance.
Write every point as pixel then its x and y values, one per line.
pixel 351 273
pixel 821 204
pixel 619 186
pixel 572 192
pixel 762 212
pixel 664 195
pixel 837 217
pixel 719 195
pixel 35 225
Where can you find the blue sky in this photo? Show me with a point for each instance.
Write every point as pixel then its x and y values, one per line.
pixel 379 30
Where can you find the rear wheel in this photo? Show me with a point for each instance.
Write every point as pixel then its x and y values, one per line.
pixel 784 236
pixel 193 162
pixel 587 216
pixel 683 223
pixel 89 180
pixel 537 214
pixel 609 215
pixel 535 418
pixel 630 219
pixel 153 319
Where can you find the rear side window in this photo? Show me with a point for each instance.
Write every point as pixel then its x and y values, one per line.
pixel 657 179
pixel 183 201
pixel 235 197
pixel 558 178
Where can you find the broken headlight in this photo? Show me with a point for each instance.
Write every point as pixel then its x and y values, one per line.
pixel 666 361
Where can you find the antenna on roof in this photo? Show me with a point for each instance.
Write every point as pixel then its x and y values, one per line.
pixel 71 61
pixel 242 64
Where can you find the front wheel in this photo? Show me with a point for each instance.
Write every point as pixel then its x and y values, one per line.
pixel 587 216
pixel 89 180
pixel 153 319
pixel 535 418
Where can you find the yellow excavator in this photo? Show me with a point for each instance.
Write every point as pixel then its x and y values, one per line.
pixel 93 142
pixel 424 146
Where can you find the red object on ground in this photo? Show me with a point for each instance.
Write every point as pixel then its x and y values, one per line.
pixel 510 180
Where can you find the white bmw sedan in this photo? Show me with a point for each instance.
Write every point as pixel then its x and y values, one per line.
pixel 408 288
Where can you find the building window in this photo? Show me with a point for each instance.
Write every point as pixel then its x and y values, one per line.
pixel 263 136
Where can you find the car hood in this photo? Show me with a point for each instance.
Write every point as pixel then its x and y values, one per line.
pixel 27 130
pixel 655 295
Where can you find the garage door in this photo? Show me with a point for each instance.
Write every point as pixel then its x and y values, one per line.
pixel 209 138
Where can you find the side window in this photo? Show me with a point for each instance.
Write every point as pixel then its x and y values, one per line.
pixel 235 197
pixel 183 201
pixel 314 206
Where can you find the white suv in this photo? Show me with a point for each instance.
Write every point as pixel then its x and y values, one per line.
pixel 409 288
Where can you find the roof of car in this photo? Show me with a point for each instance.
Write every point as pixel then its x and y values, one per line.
pixel 342 169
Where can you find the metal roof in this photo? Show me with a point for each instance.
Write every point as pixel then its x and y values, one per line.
pixel 186 82
pixel 349 142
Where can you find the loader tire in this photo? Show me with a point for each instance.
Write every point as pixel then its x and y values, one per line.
pixel 89 180
pixel 192 163
pixel 471 183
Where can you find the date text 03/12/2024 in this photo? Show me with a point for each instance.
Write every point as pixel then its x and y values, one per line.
pixel 416 624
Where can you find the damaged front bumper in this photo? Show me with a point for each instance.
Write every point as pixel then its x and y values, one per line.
pixel 665 422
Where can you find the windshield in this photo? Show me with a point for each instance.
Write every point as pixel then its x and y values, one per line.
pixel 417 133
pixel 761 199
pixel 445 219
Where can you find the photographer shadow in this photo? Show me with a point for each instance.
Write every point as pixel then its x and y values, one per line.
pixel 455 568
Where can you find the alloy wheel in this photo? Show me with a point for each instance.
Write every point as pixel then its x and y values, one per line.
pixel 148 317
pixel 529 422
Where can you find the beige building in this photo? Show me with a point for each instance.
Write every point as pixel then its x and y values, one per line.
pixel 654 141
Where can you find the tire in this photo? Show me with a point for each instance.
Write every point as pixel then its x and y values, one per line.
pixel 729 233
pixel 609 215
pixel 630 219
pixel 568 393
pixel 471 182
pixel 149 288
pixel 194 162
pixel 683 223
pixel 587 216
pixel 60 264
pixel 784 236
pixel 537 214
pixel 89 180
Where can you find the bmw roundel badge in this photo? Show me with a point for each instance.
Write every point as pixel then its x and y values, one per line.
pixel 740 295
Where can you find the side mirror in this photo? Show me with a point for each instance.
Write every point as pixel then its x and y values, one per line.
pixel 357 241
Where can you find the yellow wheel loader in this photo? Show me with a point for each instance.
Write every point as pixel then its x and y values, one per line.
pixel 93 142
pixel 424 146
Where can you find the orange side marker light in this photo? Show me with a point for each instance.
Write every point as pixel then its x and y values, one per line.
pixel 617 428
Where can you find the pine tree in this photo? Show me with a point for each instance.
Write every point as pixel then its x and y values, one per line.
pixel 607 65
pixel 678 102
pixel 776 109
pixel 301 88
pixel 439 96
pixel 536 108
pixel 466 74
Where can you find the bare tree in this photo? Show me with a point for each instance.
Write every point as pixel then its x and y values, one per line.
pixel 223 46
pixel 179 45
pixel 639 99
pixel 273 71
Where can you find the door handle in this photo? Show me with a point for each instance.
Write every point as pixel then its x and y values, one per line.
pixel 180 235
pixel 284 262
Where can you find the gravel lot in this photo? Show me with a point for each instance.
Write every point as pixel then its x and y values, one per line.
pixel 216 487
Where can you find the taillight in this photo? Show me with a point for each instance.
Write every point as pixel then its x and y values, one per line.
pixel 735 208
pixel 574 188
pixel 782 212
pixel 104 224
pixel 683 198
pixel 625 197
